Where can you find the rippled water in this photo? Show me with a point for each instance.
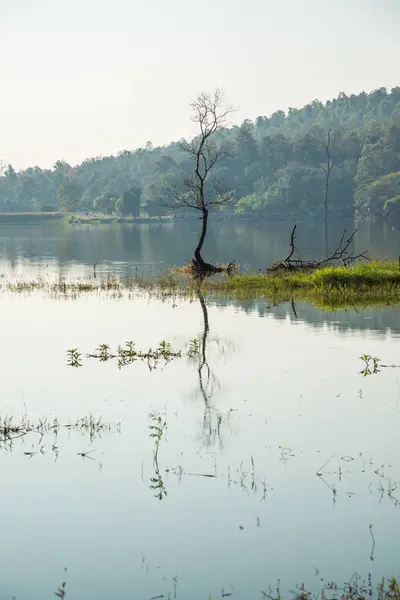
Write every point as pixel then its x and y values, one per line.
pixel 274 466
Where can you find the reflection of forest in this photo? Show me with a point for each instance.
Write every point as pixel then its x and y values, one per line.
pixel 155 247
pixel 380 321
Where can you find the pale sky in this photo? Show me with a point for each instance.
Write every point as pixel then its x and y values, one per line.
pixel 81 78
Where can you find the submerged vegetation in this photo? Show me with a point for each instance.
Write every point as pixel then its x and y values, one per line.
pixel 357 588
pixel 12 430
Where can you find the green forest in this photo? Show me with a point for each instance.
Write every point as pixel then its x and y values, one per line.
pixel 275 167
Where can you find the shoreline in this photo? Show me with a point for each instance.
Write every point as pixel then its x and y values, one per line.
pixel 34 218
pixel 374 284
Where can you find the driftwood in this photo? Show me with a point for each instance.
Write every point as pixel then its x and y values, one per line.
pixel 341 254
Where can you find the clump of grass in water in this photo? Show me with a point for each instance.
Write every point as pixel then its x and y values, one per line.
pixel 128 354
pixel 194 348
pixel 74 358
pixel 373 365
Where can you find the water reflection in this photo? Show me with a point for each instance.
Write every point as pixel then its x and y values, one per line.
pixel 289 405
pixel 151 248
pixel 157 429
pixel 212 420
pixel 384 321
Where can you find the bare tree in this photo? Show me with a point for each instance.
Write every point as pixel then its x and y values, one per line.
pixel 211 114
pixel 327 169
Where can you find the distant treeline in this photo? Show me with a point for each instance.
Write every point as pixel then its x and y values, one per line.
pixel 275 167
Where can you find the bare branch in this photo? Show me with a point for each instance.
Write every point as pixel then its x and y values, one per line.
pixel 340 254
pixel 292 238
pixel 210 112
pixel 176 199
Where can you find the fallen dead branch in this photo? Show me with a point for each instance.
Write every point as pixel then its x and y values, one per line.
pixel 341 254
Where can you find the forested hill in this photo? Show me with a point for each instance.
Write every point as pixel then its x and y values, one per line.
pixel 275 167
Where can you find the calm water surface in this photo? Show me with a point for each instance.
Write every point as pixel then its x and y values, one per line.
pixel 284 401
pixel 146 249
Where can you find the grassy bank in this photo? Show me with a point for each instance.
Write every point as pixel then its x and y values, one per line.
pixel 35 218
pixel 373 284
pixel 376 283
pixel 110 219
pixel 30 218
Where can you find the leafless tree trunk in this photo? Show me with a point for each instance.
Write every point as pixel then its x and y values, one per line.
pixel 327 169
pixel 204 222
pixel 211 114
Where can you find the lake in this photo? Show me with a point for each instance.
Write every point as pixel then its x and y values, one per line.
pixel 268 458
pixel 150 248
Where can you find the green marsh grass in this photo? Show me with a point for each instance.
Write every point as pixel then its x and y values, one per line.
pixel 374 284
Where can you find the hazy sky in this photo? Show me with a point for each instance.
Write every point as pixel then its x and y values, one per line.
pixel 81 78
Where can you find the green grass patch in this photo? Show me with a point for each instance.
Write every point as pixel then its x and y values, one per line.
pixel 376 283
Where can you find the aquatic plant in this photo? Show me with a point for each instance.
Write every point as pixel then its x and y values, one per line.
pixel 357 588
pixel 74 358
pixel 373 365
pixel 61 592
pixel 127 354
pixel 194 348
pixel 157 429
pixel 11 430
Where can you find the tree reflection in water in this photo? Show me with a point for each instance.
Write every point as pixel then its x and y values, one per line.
pixel 212 419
